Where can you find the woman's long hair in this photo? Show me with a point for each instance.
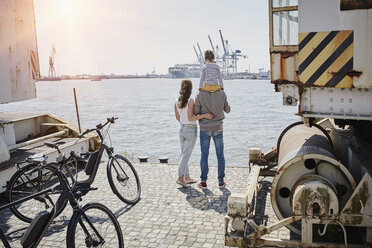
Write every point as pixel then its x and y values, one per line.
pixel 185 93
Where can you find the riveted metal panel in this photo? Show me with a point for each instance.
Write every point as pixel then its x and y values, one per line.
pixel 337 103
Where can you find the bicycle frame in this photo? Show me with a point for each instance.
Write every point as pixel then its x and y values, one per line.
pixel 67 194
pixel 102 148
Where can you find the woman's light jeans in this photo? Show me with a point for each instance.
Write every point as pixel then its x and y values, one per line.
pixel 188 135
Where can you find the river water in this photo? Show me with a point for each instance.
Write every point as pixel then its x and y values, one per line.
pixel 145 107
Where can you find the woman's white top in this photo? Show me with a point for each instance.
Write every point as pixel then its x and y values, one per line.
pixel 184 119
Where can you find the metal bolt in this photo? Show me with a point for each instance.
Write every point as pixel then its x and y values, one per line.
pixel 342 110
pixel 305 99
pixel 350 111
pixel 350 100
pixel 331 108
pixel 289 99
pixel 331 99
pixel 342 100
pixel 306 107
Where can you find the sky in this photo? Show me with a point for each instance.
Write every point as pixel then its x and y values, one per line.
pixel 136 36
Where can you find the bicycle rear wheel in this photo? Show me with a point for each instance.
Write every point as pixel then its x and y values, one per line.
pixel 124 180
pixel 27 181
pixel 94 226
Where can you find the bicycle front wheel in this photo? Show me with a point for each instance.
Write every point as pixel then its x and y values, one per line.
pixel 94 226
pixel 124 180
pixel 27 181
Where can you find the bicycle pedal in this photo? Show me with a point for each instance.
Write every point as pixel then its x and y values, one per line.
pixel 93 188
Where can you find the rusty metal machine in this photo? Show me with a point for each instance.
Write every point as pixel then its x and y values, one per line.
pixel 321 61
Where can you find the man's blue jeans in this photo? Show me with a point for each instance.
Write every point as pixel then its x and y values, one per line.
pixel 205 139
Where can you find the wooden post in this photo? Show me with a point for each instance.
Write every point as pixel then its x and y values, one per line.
pixel 77 111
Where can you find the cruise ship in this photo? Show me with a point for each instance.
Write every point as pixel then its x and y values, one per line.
pixel 185 71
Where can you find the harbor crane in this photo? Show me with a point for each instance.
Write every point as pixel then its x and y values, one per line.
pixel 52 70
pixel 230 57
pixel 210 41
pixel 201 54
pixel 200 59
pixel 228 61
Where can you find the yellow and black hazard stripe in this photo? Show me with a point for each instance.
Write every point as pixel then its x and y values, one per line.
pixel 35 65
pixel 325 58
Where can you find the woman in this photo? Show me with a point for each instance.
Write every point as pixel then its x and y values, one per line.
pixel 183 109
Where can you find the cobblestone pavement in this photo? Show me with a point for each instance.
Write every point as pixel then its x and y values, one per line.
pixel 166 216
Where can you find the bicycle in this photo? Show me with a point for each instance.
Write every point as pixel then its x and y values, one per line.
pixel 35 177
pixel 122 176
pixel 85 225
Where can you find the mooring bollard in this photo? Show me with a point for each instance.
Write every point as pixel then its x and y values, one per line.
pixel 143 159
pixel 163 160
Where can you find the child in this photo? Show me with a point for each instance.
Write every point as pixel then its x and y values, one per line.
pixel 210 77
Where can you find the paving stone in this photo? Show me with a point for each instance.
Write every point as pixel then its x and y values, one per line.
pixel 166 216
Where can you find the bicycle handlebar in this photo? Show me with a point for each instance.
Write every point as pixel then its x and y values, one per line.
pixel 98 127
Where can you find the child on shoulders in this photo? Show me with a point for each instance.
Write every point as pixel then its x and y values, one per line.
pixel 210 77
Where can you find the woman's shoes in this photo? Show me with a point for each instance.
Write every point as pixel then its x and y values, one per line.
pixel 183 184
pixel 190 180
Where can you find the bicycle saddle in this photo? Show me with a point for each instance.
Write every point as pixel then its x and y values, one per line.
pixel 54 144
pixel 38 158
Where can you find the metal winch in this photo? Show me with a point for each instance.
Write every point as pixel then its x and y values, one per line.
pixel 310 181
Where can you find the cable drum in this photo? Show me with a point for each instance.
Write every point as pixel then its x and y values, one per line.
pixel 306 151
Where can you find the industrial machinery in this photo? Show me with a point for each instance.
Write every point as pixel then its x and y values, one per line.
pixel 227 58
pixel 321 61
pixel 52 57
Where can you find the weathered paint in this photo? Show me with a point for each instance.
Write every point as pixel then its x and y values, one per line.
pixel 355 4
pixel 302 203
pixel 326 58
pixel 361 197
pixel 326 198
pixel 329 17
pixel 18 41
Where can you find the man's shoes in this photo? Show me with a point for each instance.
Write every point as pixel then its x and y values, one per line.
pixel 222 185
pixel 202 185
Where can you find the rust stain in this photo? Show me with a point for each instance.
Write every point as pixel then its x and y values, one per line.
pixel 285 53
pixel 355 4
pixel 354 73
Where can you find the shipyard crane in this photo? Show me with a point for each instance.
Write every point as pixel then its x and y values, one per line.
pixel 52 70
pixel 223 44
pixel 210 41
pixel 200 59
pixel 224 54
pixel 230 57
pixel 201 54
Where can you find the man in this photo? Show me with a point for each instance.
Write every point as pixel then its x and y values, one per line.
pixel 215 103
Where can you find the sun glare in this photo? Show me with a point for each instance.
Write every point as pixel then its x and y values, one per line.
pixel 66 6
